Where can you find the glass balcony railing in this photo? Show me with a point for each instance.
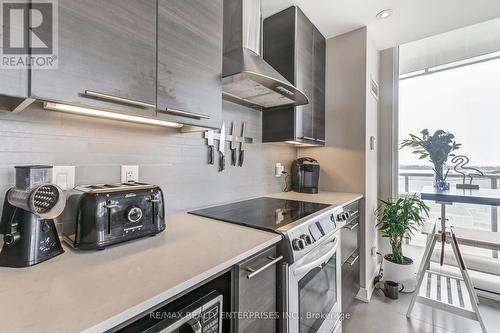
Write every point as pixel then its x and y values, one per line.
pixel 484 261
pixel 462 215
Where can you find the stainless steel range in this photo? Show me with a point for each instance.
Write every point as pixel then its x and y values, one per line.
pixel 311 278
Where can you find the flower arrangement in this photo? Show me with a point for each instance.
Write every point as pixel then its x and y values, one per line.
pixel 437 147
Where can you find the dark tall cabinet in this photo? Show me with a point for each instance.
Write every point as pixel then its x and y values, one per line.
pixel 296 49
pixel 190 61
pixel 107 56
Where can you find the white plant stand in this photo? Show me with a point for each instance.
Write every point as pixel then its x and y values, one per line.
pixel 442 291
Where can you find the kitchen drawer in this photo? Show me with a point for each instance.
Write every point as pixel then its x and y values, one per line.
pixel 349 238
pixel 257 292
pixel 350 280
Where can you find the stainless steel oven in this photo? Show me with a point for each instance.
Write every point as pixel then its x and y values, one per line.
pixel 315 302
pixel 202 316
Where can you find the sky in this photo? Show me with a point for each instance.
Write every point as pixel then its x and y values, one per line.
pixel 464 101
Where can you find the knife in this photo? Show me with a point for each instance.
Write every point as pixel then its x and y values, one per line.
pixel 242 146
pixel 210 142
pixel 233 145
pixel 222 146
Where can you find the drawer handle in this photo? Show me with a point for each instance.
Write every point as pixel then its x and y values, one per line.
pixel 117 99
pixel 308 138
pixel 186 114
pixel 351 226
pixel 254 272
pixel 320 140
pixel 352 259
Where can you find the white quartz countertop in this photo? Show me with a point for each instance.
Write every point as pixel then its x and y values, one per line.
pixel 96 291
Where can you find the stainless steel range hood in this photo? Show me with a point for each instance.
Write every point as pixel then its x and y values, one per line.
pixel 247 78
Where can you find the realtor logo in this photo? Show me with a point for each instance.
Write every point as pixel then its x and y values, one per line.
pixel 29 34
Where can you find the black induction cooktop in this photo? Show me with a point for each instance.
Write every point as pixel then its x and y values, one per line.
pixel 262 213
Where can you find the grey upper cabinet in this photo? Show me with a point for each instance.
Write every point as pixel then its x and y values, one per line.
pixel 296 49
pixel 14 81
pixel 190 61
pixel 105 47
pixel 304 77
pixel 319 87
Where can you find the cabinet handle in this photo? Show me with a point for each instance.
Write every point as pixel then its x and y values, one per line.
pixel 117 99
pixel 308 138
pixel 186 114
pixel 321 140
pixel 254 272
pixel 351 226
pixel 352 259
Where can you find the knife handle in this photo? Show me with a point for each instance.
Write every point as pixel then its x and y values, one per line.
pixel 222 162
pixel 242 158
pixel 233 157
pixel 210 154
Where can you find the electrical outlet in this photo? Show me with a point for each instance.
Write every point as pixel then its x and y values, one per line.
pixel 129 173
pixel 64 176
pixel 374 251
pixel 278 169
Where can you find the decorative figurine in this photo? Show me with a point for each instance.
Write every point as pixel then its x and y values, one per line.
pixel 461 162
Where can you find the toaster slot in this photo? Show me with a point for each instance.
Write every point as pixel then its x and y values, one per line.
pixel 109 221
pixel 154 200
pixel 109 206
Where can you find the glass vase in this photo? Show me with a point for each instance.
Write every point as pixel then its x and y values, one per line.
pixel 440 183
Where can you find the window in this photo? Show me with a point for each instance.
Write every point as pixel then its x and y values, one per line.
pixel 464 99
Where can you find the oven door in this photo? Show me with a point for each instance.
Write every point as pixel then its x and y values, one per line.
pixel 315 290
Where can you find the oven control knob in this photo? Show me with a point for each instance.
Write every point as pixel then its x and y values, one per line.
pixel 134 214
pixel 298 244
pixel 342 217
pixel 306 238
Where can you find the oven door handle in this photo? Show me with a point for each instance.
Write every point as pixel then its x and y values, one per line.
pixel 321 260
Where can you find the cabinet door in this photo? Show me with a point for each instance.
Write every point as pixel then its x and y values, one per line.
pixel 304 75
pixel 257 293
pixel 14 81
pixel 319 65
pixel 190 61
pixel 107 47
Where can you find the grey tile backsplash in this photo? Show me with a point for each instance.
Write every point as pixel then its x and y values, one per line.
pixel 175 161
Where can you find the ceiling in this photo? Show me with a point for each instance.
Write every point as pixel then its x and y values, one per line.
pixel 411 20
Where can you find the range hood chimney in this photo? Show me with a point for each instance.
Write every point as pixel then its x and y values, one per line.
pixel 246 78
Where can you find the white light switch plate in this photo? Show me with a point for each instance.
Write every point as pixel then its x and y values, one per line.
pixel 64 176
pixel 130 173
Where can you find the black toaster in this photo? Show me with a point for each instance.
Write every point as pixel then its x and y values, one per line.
pixel 97 216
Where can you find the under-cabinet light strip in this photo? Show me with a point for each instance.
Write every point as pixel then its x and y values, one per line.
pixel 107 114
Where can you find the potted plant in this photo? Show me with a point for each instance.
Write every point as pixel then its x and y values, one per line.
pixel 398 219
pixel 437 148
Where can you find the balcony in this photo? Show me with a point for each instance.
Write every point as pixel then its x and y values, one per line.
pixel 483 263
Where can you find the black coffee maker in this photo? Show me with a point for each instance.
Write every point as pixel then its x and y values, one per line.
pixel 305 175
pixel 27 223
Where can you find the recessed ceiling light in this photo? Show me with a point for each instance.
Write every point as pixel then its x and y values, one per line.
pixel 384 14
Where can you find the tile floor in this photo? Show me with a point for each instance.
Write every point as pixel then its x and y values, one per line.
pixel 383 315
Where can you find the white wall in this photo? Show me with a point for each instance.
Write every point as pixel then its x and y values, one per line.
pixel 371 157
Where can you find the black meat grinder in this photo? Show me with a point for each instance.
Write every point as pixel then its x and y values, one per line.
pixel 27 223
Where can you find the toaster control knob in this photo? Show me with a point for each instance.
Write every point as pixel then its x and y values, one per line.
pixel 134 214
pixel 298 244
pixel 307 239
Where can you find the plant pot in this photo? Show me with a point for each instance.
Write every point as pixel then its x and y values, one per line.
pixel 405 274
